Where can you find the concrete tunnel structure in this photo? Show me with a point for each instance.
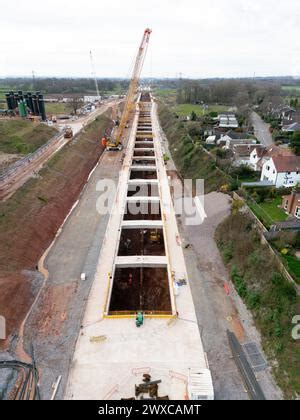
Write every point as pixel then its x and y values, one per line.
pixel 141 278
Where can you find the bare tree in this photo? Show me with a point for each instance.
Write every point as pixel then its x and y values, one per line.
pixel 75 103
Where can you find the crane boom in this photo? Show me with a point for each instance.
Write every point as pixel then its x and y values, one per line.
pixel 94 74
pixel 132 89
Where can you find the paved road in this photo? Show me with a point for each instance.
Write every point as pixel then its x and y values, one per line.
pixel 261 130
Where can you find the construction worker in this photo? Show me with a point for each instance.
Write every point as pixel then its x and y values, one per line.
pixel 127 243
pixel 139 320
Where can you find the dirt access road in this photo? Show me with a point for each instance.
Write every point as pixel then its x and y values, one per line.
pixel 55 321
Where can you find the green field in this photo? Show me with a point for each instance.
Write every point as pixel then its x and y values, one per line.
pixel 22 137
pixel 56 108
pixel 3 91
pixel 165 92
pixel 184 110
pixel 291 87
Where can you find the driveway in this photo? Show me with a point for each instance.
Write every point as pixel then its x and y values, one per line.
pixel 261 130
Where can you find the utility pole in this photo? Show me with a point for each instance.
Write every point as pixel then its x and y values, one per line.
pixel 94 74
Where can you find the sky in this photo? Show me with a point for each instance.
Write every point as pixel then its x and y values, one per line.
pixel 194 39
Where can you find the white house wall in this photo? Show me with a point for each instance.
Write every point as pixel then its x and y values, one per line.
pixel 281 179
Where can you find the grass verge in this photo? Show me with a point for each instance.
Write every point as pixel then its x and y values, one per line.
pixel 22 136
pixel 191 160
pixel 56 108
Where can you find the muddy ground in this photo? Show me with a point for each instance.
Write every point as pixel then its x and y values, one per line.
pixel 143 175
pixel 145 289
pixel 139 145
pixel 140 242
pixel 143 190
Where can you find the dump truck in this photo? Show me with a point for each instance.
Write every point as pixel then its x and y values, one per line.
pixel 68 133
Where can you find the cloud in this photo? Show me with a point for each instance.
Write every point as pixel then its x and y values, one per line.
pixel 197 38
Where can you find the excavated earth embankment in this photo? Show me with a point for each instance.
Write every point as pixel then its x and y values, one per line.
pixel 30 219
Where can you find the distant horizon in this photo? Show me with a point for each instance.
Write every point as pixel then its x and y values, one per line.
pixel 151 77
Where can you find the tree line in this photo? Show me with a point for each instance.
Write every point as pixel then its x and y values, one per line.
pixel 230 92
pixel 51 85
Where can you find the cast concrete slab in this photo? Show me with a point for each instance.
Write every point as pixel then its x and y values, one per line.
pixel 143 182
pixel 141 261
pixel 142 199
pixel 142 224
pixel 143 168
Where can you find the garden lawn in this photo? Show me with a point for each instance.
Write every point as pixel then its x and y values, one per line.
pixel 293 265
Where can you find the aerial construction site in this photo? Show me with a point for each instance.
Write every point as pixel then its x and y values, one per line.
pixel 149 226
pixel 131 326
pixel 133 314
pixel 138 301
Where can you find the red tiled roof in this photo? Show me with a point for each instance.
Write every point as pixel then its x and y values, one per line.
pixel 243 149
pixel 275 151
pixel 287 163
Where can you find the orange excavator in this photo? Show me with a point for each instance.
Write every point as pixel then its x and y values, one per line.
pixel 114 142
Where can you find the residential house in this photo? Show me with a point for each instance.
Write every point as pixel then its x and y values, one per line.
pixel 291 204
pixel 281 171
pixel 230 143
pixel 256 156
pixel 287 112
pixel 241 153
pixel 261 154
pixel 231 137
pixel 287 115
pixel 283 111
pixel 291 128
pixel 212 139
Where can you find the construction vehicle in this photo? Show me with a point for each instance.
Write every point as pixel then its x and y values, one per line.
pixel 114 141
pixel 68 132
pixel 155 236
